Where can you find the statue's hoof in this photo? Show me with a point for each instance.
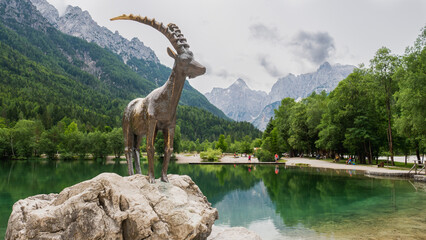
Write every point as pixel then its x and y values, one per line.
pixel 164 179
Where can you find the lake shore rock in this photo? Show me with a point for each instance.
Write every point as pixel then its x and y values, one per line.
pixel 113 207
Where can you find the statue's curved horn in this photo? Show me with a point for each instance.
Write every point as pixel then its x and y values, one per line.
pixel 172 32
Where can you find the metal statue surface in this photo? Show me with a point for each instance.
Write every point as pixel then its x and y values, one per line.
pixel 157 111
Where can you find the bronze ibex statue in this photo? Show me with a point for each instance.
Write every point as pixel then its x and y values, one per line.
pixel 157 111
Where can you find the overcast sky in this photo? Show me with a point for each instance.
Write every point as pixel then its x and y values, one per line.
pixel 261 41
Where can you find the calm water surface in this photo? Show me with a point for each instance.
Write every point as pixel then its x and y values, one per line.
pixel 295 203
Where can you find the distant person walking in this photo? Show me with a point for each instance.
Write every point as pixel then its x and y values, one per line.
pixel 276 157
pixel 249 157
pixel 349 160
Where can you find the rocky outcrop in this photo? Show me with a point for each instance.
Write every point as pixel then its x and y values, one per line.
pixel 113 207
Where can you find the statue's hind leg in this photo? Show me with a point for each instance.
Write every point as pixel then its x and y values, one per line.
pixel 150 137
pixel 129 162
pixel 128 151
pixel 136 153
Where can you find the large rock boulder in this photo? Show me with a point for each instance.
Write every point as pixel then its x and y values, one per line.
pixel 113 207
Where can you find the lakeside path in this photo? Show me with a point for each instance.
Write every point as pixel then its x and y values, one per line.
pixel 372 170
pixel 369 170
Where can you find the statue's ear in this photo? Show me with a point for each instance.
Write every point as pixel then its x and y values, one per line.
pixel 171 53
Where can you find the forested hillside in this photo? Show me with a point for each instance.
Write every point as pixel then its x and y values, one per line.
pixel 47 76
pixel 196 123
pixel 36 85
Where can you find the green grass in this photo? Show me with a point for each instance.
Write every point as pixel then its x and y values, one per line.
pixel 398 165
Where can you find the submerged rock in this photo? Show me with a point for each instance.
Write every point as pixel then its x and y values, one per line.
pixel 113 207
pixel 234 233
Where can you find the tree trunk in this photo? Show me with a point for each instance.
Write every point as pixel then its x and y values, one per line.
pixel 405 159
pixel 365 153
pixel 13 152
pixel 370 154
pixel 390 143
pixel 417 151
pixel 388 110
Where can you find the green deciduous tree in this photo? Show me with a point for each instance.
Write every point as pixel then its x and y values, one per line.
pixel 49 142
pixel 383 67
pixel 411 122
pixel 98 146
pixel 5 147
pixel 282 122
pixel 115 141
pixel 246 145
pixel 221 143
pixel 26 134
pixel 315 107
pixel 298 129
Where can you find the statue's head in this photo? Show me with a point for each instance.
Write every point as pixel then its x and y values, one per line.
pixel 184 59
pixel 185 62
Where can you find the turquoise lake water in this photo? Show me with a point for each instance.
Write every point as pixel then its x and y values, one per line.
pixel 295 203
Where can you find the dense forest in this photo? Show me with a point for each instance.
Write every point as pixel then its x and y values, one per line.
pixel 379 110
pixel 69 139
pixel 51 82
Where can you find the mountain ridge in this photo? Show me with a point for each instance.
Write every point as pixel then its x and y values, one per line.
pixel 241 103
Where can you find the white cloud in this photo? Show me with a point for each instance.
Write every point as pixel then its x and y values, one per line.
pixel 269 66
pixel 263 32
pixel 315 47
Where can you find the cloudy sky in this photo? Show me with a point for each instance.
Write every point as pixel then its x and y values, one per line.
pixel 261 41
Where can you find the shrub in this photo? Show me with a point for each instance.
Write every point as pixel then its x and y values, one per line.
pixel 265 155
pixel 211 155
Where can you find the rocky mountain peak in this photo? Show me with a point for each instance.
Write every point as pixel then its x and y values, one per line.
pixel 238 97
pixel 240 83
pixel 47 10
pixel 23 12
pixel 325 67
pixel 79 23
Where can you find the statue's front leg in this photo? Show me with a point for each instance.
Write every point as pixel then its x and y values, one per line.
pixel 168 149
